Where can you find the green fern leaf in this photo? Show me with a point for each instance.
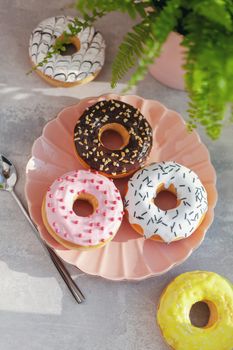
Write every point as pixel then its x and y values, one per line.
pixel 128 6
pixel 213 10
pixel 159 28
pixel 130 50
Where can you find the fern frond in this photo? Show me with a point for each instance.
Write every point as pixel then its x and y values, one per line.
pixel 213 10
pixel 166 21
pixel 130 49
pixel 128 6
pixel 209 67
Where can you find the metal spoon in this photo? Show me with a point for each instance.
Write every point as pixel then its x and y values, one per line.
pixel 8 178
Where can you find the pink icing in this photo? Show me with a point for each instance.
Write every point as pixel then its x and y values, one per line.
pixel 84 231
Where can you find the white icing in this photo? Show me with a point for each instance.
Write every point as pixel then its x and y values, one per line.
pixel 171 224
pixel 86 62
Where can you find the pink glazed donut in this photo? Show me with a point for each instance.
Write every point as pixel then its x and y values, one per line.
pixel 82 232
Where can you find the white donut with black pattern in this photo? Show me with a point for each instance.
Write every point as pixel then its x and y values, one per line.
pixel 172 224
pixel 68 70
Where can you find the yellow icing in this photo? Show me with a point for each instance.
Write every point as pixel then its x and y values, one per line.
pixel 176 302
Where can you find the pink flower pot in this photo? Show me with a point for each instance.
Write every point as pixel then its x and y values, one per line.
pixel 167 68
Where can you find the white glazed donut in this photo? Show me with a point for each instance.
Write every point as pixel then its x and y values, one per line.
pixel 78 68
pixel 172 224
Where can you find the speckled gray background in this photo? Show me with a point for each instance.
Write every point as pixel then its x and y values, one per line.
pixel 36 309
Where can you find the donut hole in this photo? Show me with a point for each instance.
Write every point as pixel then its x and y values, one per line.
pixel 85 205
pixel 70 49
pixel 203 314
pixel 166 198
pixel 71 46
pixel 114 136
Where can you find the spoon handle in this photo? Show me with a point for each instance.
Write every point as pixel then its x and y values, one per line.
pixel 74 289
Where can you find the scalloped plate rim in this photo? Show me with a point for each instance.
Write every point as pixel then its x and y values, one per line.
pixel 208 160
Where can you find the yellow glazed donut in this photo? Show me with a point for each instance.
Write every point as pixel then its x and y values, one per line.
pixel 175 305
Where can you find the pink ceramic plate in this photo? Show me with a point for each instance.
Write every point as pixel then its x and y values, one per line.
pixel 128 256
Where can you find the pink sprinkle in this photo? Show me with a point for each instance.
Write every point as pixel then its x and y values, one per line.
pixel 71 191
pixel 90 231
pixel 102 228
pixel 97 211
pixel 98 224
pixel 112 208
pixel 116 190
pixel 76 175
pixel 101 182
pixel 56 230
pixel 105 192
pixel 75 222
pixel 119 198
pixel 122 212
pixel 111 233
pixel 72 180
pixel 111 180
pixel 60 200
pixel 92 181
pixel 67 178
pixel 61 188
pixel 85 181
pixel 111 219
pixel 53 210
pixel 54 224
pixel 63 207
pixel 83 191
pixel 49 189
pixel 97 187
pixel 104 213
pixel 114 202
pixel 80 235
pixel 120 218
pixel 102 240
pixel 71 212
pixel 49 205
pixel 105 202
pixel 95 172
pixel 89 240
pixel 59 179
pixel 65 235
pixel 91 224
pixel 65 217
pixel 50 195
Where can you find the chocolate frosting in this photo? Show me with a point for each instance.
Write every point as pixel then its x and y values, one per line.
pixel 113 162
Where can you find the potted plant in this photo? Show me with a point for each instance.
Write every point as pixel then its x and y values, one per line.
pixel 204 29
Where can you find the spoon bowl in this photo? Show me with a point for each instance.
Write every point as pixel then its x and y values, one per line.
pixel 8 174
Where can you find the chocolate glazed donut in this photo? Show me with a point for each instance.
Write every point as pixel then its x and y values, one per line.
pixel 126 120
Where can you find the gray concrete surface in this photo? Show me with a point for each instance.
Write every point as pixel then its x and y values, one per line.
pixel 36 309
